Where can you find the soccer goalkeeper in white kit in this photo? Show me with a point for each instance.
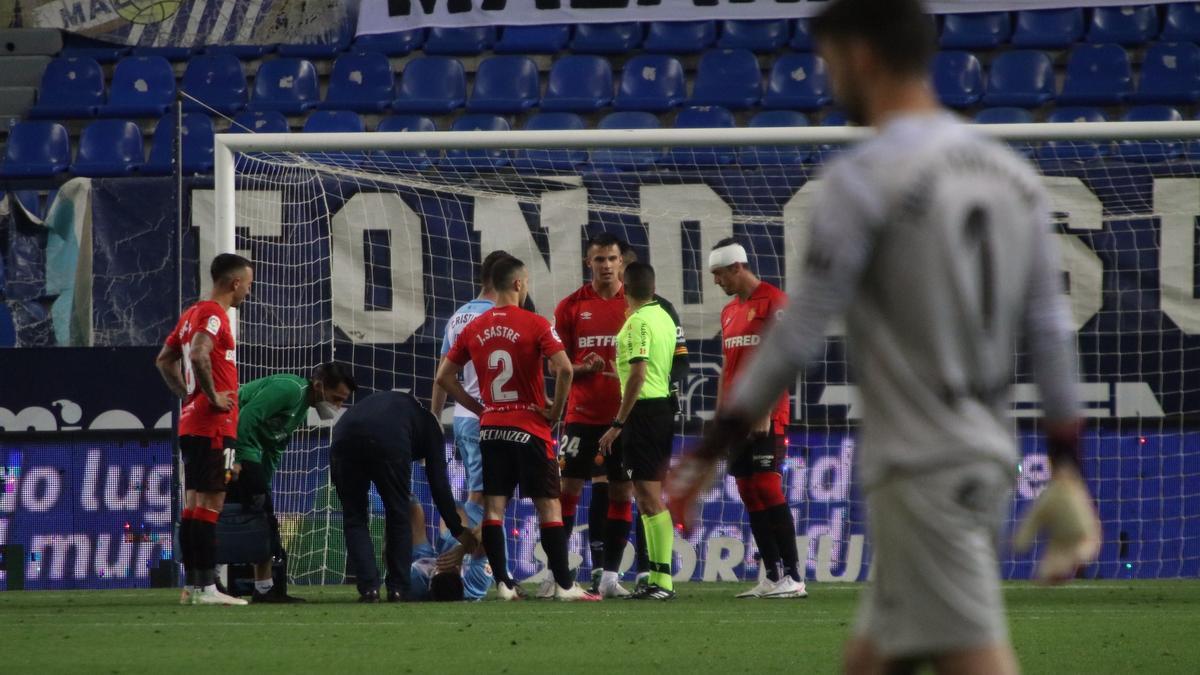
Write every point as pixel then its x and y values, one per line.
pixel 934 243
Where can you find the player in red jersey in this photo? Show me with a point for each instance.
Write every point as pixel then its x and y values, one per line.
pixel 198 362
pixel 588 321
pixel 507 344
pixel 754 463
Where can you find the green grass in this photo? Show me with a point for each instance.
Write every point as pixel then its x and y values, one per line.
pixel 1091 627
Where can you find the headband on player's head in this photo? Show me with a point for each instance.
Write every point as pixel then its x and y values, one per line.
pixel 726 256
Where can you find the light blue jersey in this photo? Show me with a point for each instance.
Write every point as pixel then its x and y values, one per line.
pixel 476 573
pixel 454 327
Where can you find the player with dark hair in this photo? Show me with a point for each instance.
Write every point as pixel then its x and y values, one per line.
pixel 507 346
pixel 271 409
pixel 203 344
pixel 934 241
pixel 754 463
pixel 445 571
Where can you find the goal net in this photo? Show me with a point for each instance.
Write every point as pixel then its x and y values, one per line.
pixel 365 244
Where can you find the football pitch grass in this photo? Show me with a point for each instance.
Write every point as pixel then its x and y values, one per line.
pixel 1086 627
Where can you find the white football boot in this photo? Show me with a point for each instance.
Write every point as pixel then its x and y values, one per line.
pixel 787 587
pixel 575 593
pixel 209 595
pixel 764 587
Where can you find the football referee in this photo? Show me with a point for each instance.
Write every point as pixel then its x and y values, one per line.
pixel 645 426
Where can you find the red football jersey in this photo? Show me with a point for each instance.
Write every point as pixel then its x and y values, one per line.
pixel 587 323
pixel 742 327
pixel 198 417
pixel 506 346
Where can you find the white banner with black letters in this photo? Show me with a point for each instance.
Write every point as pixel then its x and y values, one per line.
pixel 385 16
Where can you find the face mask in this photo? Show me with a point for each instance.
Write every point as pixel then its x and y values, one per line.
pixel 326 410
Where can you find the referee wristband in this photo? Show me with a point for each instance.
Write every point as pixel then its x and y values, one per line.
pixel 617 424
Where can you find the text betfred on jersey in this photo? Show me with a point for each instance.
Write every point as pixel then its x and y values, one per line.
pixel 198 417
pixel 743 324
pixel 589 323
pixel 506 346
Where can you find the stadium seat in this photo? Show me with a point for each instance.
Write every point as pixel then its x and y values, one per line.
pixel 327 49
pixel 578 83
pixel 1008 115
pixel 334 122
pixel 259 122
pixel 1020 78
pixel 142 86
pixel 196 140
pixel 1181 23
pixel 544 39
pixel 70 87
pixel 1130 26
pixel 757 36
pixel 407 159
pixel 1097 75
pixel 360 82
pixel 109 148
pixel 979 30
pixel 1048 28
pixel 286 85
pixel 626 159
pixel 606 38
pixel 1150 151
pixel 957 78
pixel 801 36
pixel 651 82
pixel 679 37
pixel 1076 151
pixel 551 159
pixel 728 78
pixel 775 155
pixel 797 82
pixel 460 41
pixel 702 117
pixel 217 81
pixel 482 159
pixel 36 149
pixel 505 84
pixel 432 84
pixel 247 52
pixel 399 43
pixel 174 54
pixel 1170 74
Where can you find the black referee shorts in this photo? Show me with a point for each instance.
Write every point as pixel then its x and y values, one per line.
pixel 578 449
pixel 643 450
pixel 759 453
pixel 203 465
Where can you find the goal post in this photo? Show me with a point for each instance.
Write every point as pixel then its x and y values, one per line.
pixel 364 243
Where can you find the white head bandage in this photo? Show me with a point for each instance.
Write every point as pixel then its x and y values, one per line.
pixel 726 256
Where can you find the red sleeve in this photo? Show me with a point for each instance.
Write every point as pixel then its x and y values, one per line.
pixel 778 304
pixel 459 354
pixel 548 339
pixel 172 340
pixel 210 319
pixel 563 318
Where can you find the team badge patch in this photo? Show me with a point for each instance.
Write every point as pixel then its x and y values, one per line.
pixel 214 325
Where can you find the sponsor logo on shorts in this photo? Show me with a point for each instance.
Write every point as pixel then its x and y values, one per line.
pixel 508 435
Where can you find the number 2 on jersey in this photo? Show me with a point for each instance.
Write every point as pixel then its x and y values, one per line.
pixel 503 360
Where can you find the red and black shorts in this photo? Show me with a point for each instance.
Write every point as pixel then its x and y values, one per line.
pixel 578 449
pixel 513 457
pixel 759 453
pixel 643 450
pixel 206 462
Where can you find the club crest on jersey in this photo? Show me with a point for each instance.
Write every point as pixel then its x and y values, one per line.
pixel 214 325
pixel 585 315
pixel 750 316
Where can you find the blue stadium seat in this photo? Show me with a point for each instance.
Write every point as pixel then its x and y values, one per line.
pixel 1054 152
pixel 407 159
pixel 36 149
pixel 432 84
pixel 71 87
pixel 480 159
pixel 544 39
pixel 247 52
pixel 216 80
pixel 315 50
pixel 626 159
pixel 551 159
pixel 1009 115
pixel 978 30
pixel 702 117
pixel 1048 28
pixel 109 148
pixel 142 86
pixel 578 83
pixel 168 53
pixel 1097 75
pixel 286 85
pixel 775 155
pixel 679 37
pixel 196 140
pixel 957 78
pixel 651 82
pixel 728 78
pixel 360 82
pixel 1170 74
pixel 607 38
pixel 801 36
pixel 1129 26
pixel 1150 151
pixel 1181 23
pixel 399 43
pixel 758 36
pixel 460 41
pixel 505 84
pixel 334 122
pixel 797 82
pixel 259 122
pixel 1021 78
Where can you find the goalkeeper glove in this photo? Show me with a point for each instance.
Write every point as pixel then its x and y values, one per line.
pixel 1065 512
